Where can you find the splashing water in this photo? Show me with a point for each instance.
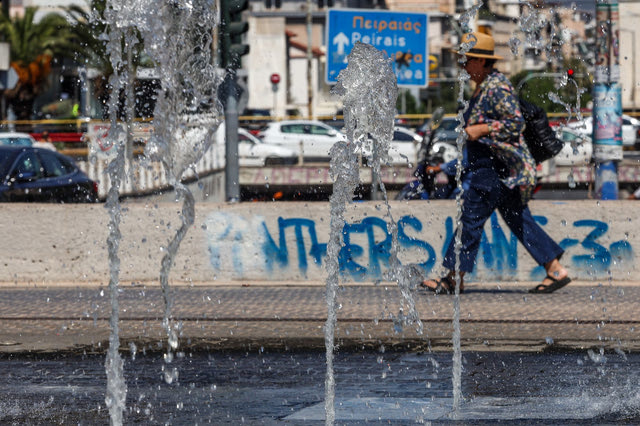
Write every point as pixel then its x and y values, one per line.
pixel 532 22
pixel 369 71
pixel 182 133
pixel 119 34
pixel 463 78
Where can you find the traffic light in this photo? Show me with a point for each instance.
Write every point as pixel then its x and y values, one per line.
pixel 570 73
pixel 231 29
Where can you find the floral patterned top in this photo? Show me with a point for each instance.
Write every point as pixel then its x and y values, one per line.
pixel 497 105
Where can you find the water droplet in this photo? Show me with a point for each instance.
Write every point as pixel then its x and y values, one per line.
pixel 173 339
pixel 133 349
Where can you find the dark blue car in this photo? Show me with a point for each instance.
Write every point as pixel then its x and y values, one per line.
pixel 30 174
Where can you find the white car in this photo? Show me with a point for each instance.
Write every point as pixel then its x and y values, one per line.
pixel 403 149
pixel 313 138
pixel 630 128
pixel 23 139
pixel 577 150
pixel 253 152
pixel 404 146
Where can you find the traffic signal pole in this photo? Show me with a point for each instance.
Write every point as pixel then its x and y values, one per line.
pixel 231 50
pixel 232 169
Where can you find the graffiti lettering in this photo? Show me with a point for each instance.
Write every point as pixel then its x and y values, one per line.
pixel 295 246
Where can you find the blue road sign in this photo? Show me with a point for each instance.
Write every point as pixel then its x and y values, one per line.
pixel 403 36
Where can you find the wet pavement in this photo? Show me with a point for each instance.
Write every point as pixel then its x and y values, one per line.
pixel 495 317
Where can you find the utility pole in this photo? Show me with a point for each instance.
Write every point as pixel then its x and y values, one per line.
pixel 607 101
pixel 309 61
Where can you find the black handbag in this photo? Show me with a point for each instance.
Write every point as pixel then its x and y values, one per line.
pixel 541 140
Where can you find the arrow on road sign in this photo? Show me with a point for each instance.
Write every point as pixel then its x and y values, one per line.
pixel 341 40
pixel 8 79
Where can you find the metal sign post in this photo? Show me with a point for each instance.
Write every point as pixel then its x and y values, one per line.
pixel 607 101
pixel 275 79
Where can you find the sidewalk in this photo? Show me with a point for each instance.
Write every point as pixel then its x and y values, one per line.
pixel 494 317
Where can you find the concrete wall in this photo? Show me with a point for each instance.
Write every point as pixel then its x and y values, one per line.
pixel 286 242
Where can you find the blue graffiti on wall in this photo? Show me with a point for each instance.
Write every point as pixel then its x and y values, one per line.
pixel 367 245
pixel 599 259
pixel 377 253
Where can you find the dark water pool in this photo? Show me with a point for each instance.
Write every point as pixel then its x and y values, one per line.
pixel 288 388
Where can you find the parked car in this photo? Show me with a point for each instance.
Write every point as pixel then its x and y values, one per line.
pixel 445 138
pixel 314 138
pixel 446 130
pixel 403 149
pixel 23 139
pixel 630 129
pixel 404 146
pixel 42 175
pixel 253 152
pixel 577 150
pixel 16 139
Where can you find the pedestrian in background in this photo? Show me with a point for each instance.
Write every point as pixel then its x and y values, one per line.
pixel 450 190
pixel 502 174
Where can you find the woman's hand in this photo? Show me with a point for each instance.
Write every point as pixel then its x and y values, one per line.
pixel 476 131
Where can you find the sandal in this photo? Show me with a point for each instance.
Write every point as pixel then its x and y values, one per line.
pixel 444 285
pixel 550 288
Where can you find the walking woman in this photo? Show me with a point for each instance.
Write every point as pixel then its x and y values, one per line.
pixel 503 174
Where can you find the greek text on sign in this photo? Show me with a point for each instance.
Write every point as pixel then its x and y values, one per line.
pixel 403 36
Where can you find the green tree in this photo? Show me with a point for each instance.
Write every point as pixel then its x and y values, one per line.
pixel 88 26
pixel 33 47
pixel 538 88
pixel 90 29
pixel 411 105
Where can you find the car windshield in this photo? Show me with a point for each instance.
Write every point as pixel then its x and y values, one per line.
pixel 244 138
pixel 7 157
pixel 448 124
pixel 54 165
pixel 402 137
pixel 15 141
pixel 568 136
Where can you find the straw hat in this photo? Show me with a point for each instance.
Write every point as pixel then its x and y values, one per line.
pixel 483 47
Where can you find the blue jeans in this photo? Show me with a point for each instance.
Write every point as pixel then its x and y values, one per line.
pixel 480 200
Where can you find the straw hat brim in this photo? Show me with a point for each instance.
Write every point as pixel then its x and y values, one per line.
pixel 477 55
